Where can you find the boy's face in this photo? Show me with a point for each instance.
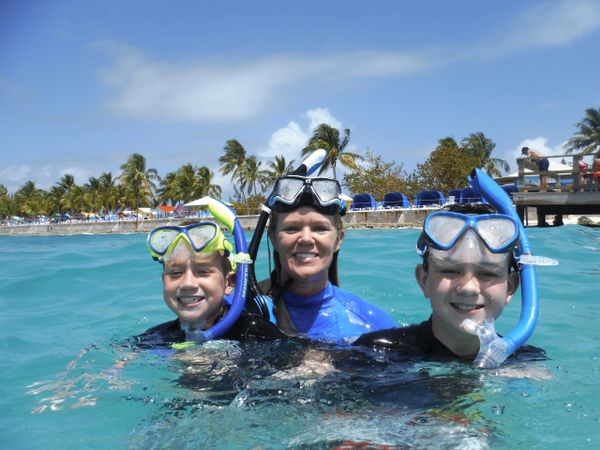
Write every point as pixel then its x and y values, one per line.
pixel 466 282
pixel 194 285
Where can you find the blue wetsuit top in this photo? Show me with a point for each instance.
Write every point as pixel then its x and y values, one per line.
pixel 334 314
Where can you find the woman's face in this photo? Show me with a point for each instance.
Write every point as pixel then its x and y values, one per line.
pixel 306 241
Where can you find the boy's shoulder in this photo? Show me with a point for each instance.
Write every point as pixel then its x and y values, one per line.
pixel 162 335
pixel 412 340
pixel 418 340
pixel 251 326
pixel 528 353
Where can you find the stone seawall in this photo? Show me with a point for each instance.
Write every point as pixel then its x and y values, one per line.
pixel 353 219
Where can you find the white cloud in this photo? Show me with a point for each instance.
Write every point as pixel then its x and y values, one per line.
pixel 291 139
pixel 556 23
pixel 222 91
pixel 319 116
pixel 218 91
pixel 14 176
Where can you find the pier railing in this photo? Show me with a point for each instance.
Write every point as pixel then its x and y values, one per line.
pixel 576 178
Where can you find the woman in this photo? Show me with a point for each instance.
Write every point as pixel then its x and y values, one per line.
pixel 306 231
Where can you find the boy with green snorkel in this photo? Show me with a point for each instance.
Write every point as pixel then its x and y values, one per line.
pixel 198 273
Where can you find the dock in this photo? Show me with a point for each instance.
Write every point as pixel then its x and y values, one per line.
pixel 570 190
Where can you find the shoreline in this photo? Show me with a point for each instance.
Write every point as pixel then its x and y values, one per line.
pixel 370 219
pixel 387 218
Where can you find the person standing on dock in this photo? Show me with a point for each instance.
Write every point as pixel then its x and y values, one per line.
pixel 540 161
pixel 596 168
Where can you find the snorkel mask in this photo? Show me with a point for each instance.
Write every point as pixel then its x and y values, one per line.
pixel 292 191
pixel 202 237
pixel 443 229
pixel 207 237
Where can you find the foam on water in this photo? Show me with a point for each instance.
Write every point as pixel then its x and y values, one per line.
pixel 69 304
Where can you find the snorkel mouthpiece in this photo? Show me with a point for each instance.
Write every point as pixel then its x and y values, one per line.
pixel 493 350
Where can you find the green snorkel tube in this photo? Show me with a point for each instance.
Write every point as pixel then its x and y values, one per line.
pixel 493 350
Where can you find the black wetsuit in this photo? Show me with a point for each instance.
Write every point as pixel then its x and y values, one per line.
pixel 249 326
pixel 419 341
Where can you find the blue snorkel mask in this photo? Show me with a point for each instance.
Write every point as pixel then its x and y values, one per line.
pixel 443 229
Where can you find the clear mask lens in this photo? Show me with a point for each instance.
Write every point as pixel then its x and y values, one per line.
pixel 160 240
pixel 287 189
pixel 328 191
pixel 201 236
pixel 445 229
pixel 497 232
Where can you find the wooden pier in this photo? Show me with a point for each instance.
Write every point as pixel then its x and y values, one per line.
pixel 569 191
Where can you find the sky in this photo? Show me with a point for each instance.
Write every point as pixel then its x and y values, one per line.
pixel 86 83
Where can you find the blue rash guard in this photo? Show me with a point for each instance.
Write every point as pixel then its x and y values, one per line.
pixel 334 315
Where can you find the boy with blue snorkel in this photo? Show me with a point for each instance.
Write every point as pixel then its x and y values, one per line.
pixel 468 275
pixel 198 273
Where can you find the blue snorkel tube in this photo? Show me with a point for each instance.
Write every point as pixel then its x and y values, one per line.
pixel 226 216
pixel 494 349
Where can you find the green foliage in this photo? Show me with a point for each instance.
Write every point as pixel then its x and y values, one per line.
pixel 139 182
pixel 278 168
pixel 374 176
pixel 6 203
pixel 233 163
pixel 480 147
pixel 446 168
pixel 328 138
pixel 587 138
pixel 250 206
pixel 187 184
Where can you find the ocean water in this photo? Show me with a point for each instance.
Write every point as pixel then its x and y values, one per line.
pixel 69 304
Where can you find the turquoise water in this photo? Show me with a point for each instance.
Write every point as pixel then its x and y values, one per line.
pixel 68 304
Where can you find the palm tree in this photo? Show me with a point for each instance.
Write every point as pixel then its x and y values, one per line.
pixel 6 202
pixel 138 181
pixel 29 200
pixel 185 182
pixel 67 184
pixel 93 190
pixel 109 191
pixel 168 189
pixel 56 198
pixel 233 162
pixel 278 168
pixel 587 139
pixel 253 174
pixel 479 146
pixel 328 138
pixel 205 183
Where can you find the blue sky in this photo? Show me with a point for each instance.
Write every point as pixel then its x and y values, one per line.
pixel 85 83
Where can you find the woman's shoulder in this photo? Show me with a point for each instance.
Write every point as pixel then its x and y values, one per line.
pixel 361 307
